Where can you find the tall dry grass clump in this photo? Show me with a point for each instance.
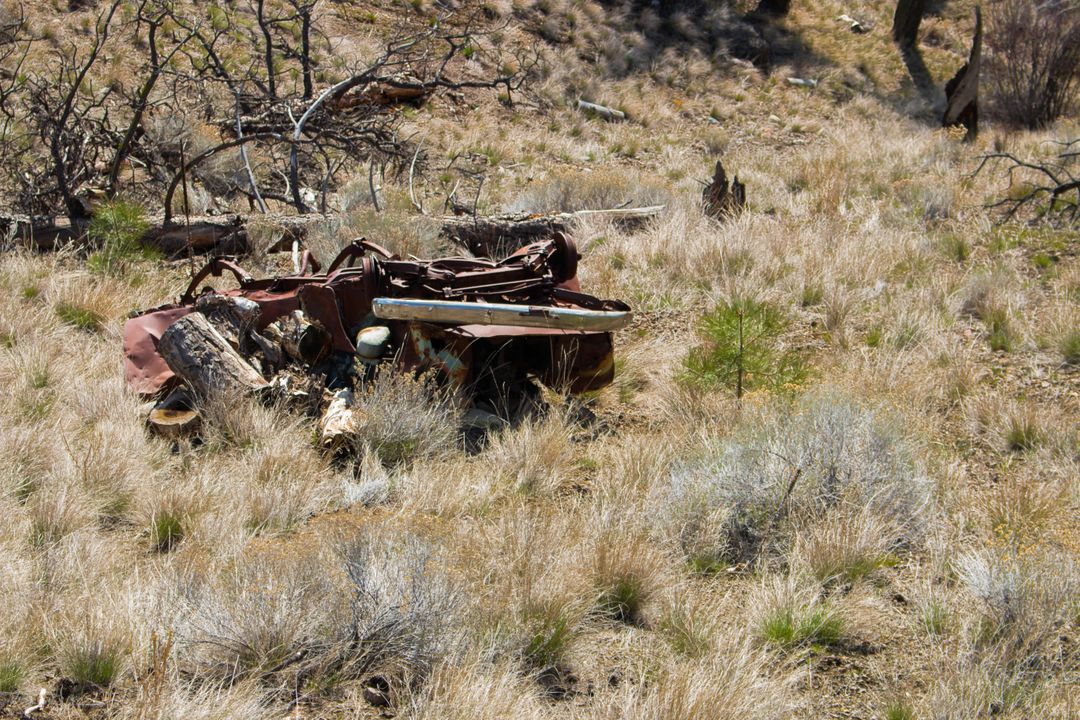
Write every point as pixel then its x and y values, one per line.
pixel 400 418
pixel 736 681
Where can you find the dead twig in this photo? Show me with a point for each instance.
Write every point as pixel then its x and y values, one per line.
pixel 1056 180
pixel 412 170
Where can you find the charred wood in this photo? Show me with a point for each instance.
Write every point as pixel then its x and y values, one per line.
pixel 962 91
pixel 499 235
pixel 721 200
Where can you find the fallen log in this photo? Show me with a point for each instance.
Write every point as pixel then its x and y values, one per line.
pixel 206 234
pixel 906 21
pixel 40 234
pixel 609 114
pixel 233 317
pixel 496 236
pixel 338 423
pixel 199 237
pixel 204 359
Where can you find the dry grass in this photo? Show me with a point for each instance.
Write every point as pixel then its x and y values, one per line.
pixel 900 527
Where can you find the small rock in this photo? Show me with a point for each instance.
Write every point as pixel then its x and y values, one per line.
pixel 377 692
pixel 371 342
pixel 477 419
pixel 854 25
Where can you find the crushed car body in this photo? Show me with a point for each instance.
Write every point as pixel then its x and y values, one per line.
pixel 481 326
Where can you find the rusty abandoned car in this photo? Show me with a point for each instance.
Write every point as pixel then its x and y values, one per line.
pixel 485 329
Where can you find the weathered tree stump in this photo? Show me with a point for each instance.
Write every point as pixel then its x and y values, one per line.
pixel 962 91
pixel 204 359
pixel 721 200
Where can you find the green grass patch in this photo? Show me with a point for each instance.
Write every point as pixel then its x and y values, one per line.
pixel 166 531
pixel 874 336
pixel 548 640
pixel 685 636
pixel 1070 347
pixel 703 564
pixel 1042 261
pixel 955 248
pixel 96 663
pixel 12 675
pixel 811 295
pixel 116 230
pixel 79 316
pixel 39 377
pixel 899 710
pixel 623 598
pixel 907 336
pixel 936 618
pixel 791 627
pixel 1022 434
pixel 999 331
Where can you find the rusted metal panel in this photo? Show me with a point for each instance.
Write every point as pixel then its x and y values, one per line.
pixel 145 370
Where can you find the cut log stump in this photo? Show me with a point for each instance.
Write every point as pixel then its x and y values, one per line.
pixel 174 416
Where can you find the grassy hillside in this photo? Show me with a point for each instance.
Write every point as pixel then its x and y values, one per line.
pixel 890 532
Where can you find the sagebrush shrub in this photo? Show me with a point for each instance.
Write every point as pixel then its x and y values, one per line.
pixel 371 604
pixel 404 610
pixel 1024 601
pixel 789 469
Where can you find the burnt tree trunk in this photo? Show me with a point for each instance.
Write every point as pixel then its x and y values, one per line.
pixel 962 91
pixel 205 360
pixel 906 20
pixel 721 200
pixel 774 7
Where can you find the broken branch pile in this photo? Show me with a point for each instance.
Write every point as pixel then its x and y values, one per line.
pixel 482 328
